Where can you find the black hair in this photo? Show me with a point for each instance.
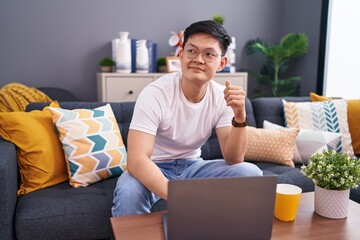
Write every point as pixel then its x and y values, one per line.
pixel 211 28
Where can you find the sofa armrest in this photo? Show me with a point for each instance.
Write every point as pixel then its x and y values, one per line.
pixel 8 187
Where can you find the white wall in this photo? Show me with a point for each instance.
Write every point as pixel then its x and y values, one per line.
pixel 341 76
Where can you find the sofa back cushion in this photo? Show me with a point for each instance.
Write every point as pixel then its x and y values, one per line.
pixel 123 113
pixel 211 149
pixel 272 110
pixel 59 94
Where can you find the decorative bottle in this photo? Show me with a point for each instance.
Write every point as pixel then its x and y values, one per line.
pixel 123 53
pixel 232 55
pixel 142 57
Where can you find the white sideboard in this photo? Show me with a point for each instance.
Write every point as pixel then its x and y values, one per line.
pixel 122 87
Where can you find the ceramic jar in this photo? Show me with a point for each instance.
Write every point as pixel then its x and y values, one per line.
pixel 123 53
pixel 142 57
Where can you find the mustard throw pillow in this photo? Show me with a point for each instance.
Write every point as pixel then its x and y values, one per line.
pixel 353 114
pixel 40 156
pixel 271 145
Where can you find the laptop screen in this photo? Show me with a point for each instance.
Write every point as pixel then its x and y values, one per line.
pixel 221 208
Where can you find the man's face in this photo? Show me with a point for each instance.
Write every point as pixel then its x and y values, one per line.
pixel 193 65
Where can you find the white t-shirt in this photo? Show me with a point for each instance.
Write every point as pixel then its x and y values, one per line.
pixel 180 127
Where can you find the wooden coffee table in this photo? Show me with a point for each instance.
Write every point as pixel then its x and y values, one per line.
pixel 307 225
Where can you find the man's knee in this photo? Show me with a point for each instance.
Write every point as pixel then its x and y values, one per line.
pixel 246 169
pixel 130 196
pixel 128 186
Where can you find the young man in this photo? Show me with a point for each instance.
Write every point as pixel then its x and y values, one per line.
pixel 174 116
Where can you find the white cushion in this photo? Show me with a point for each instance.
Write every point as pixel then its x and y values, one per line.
pixel 309 142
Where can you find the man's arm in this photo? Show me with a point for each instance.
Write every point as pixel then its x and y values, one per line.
pixel 233 143
pixel 233 140
pixel 140 146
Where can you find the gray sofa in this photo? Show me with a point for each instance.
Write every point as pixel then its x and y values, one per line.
pixel 63 212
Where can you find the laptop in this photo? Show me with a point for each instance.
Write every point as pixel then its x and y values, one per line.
pixel 220 208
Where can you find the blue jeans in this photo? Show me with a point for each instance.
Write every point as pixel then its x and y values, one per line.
pixel 131 197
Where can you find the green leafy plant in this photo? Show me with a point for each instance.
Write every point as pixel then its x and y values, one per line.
pixel 272 73
pixel 161 61
pixel 333 171
pixel 106 62
pixel 161 64
pixel 219 19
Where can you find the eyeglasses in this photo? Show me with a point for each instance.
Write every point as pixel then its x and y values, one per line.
pixel 208 55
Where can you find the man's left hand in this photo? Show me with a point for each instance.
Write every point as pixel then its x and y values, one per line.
pixel 235 98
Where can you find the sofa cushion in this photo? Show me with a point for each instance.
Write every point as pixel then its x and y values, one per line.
pixel 328 116
pixel 271 109
pixel 271 145
pixel 211 149
pixel 353 113
pixel 59 94
pixel 40 156
pixel 309 142
pixel 123 112
pixel 250 113
pixel 92 143
pixel 64 212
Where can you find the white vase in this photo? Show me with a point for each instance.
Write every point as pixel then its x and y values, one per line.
pixel 123 53
pixel 331 203
pixel 142 57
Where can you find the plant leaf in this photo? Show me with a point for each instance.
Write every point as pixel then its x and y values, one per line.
pixel 294 45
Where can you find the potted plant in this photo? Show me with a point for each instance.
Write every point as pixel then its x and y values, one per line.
pixel 333 174
pixel 106 64
pixel 290 46
pixel 161 64
pixel 219 19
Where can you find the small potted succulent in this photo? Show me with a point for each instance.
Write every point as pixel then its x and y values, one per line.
pixel 106 64
pixel 219 19
pixel 161 64
pixel 333 174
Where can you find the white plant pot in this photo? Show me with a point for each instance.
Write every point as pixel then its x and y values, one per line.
pixel 331 203
pixel 106 69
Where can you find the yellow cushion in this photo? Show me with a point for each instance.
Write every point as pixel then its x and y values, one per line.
pixel 353 114
pixel 271 145
pixel 40 156
pixel 317 98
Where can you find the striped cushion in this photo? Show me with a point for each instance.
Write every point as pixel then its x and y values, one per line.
pixel 353 113
pixel 330 116
pixel 92 144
